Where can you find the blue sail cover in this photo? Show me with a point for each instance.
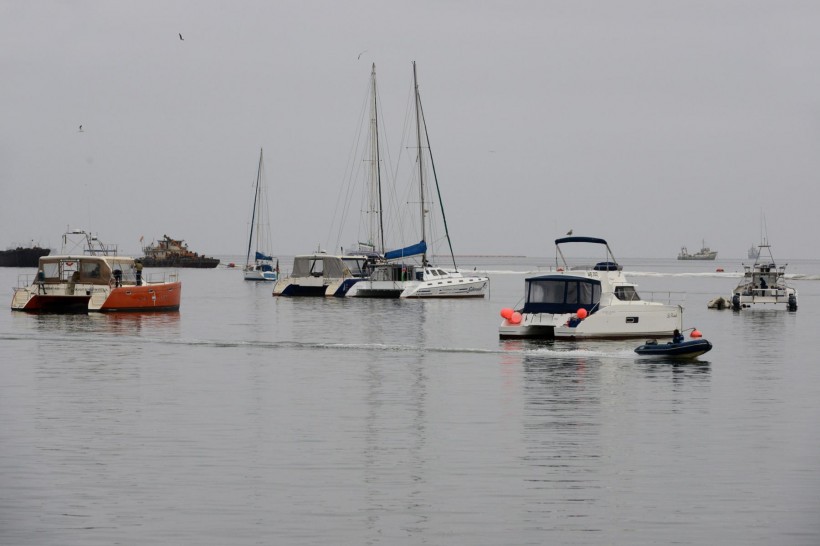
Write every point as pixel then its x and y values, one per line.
pixel 412 250
pixel 260 256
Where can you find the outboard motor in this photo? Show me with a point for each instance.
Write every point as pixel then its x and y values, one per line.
pixel 792 305
pixel 736 302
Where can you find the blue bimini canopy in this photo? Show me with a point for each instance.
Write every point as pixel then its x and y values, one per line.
pixel 260 256
pixel 561 294
pixel 412 250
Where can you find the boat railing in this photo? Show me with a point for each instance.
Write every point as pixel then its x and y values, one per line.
pixel 668 297
pixel 160 277
pixel 24 280
pixel 775 292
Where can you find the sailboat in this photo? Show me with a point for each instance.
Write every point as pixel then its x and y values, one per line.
pixel 394 276
pixel 261 267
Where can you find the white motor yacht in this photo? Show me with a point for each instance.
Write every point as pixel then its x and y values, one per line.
pixel 587 302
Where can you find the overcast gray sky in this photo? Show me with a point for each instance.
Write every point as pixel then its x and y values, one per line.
pixel 651 124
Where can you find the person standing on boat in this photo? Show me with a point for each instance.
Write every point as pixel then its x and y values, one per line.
pixel 677 337
pixel 138 267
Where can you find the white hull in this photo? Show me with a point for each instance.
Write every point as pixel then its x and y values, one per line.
pixel 452 286
pixel 258 275
pixel 379 289
pixel 429 282
pixel 769 298
pixel 628 320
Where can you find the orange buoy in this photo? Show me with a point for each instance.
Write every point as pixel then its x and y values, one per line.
pixel 582 313
pixel 515 318
pixel 695 333
pixel 507 312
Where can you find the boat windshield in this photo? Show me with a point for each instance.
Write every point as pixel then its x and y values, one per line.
pixel 318 266
pixel 355 265
pixel 559 294
pixel 627 293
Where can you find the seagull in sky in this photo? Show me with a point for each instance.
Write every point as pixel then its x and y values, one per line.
pixel 360 54
pixel 569 232
pixel 81 129
pixel 180 37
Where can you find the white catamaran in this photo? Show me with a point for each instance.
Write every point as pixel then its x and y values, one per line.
pixel 406 272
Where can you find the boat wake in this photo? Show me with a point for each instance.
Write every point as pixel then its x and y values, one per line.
pixel 513 347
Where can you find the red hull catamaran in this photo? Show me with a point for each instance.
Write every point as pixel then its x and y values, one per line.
pixel 79 284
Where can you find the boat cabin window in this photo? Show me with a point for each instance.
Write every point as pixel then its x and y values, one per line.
pixel 90 270
pixel 51 271
pixel 626 293
pixel 317 267
pixel 355 265
pixel 559 294
pixel 442 272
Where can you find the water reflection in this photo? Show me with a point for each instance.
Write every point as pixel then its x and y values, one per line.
pixel 394 447
pixel 561 433
pixel 115 323
pixel 584 406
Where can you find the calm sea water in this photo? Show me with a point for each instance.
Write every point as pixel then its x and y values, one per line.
pixel 248 419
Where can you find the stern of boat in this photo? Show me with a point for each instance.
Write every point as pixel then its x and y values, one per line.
pixel 531 326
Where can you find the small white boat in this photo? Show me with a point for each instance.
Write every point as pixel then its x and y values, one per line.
pixel 261 267
pixel 587 303
pixel 763 285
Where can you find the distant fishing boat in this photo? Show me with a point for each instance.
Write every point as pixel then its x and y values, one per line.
pixel 168 252
pixel 753 253
pixel 705 253
pixel 763 285
pixel 261 267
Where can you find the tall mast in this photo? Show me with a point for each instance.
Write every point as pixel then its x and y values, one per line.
pixel 421 167
pixel 375 167
pixel 438 189
pixel 253 214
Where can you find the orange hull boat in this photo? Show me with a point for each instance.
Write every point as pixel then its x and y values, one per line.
pixel 78 284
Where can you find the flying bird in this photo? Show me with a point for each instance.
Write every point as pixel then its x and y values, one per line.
pixel 360 54
pixel 180 37
pixel 569 232
pixel 81 129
